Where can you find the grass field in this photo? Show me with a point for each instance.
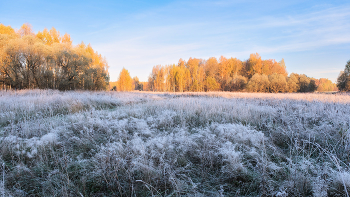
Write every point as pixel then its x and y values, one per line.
pixel 174 144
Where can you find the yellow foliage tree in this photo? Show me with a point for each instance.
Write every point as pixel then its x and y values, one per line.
pixel 47 60
pixel 254 65
pixel 124 81
pixel 211 84
pixel 278 83
pixel 258 83
pixel 6 30
pixel 292 84
pixel 26 29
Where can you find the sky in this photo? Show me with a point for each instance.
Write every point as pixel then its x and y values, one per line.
pixel 313 37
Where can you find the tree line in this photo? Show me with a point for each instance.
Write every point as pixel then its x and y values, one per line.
pixel 48 60
pixel 226 74
pixel 343 81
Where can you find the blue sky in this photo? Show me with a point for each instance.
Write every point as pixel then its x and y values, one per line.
pixel 313 37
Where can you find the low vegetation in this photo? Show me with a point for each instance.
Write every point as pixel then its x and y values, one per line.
pixel 181 144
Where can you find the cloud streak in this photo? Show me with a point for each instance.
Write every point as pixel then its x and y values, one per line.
pixel 157 37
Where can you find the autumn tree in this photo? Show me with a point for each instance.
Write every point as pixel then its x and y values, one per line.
pixel 231 74
pixel 48 60
pixel 193 65
pixel 212 68
pixel 223 70
pixel 211 84
pixel 171 78
pixel 254 65
pixel 324 85
pixel 180 82
pixel 7 30
pixel 157 79
pixel 281 69
pixel 187 80
pixel 136 84
pixel 230 71
pixel 25 30
pixel 304 83
pixel 145 86
pixel 293 83
pixel 313 85
pixel 236 83
pixel 268 67
pixel 278 83
pixel 124 81
pixel 66 39
pixel 258 83
pixel 234 67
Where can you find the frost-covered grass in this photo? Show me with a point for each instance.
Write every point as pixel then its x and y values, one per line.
pixel 322 96
pixel 145 144
pixel 34 104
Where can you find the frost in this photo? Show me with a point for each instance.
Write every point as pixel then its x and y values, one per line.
pixel 320 187
pixel 11 140
pixel 232 157
pixel 48 138
pixel 344 177
pixel 239 133
pixel 144 143
pixel 282 194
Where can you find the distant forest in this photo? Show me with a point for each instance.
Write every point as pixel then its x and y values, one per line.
pixel 225 74
pixel 48 60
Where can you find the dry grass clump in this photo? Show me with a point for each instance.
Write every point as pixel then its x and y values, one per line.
pixel 132 144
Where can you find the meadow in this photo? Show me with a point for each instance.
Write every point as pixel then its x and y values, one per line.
pixel 85 143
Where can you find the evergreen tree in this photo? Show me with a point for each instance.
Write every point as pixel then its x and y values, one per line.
pixel 343 81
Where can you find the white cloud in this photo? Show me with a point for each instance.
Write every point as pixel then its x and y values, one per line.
pixel 139 47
